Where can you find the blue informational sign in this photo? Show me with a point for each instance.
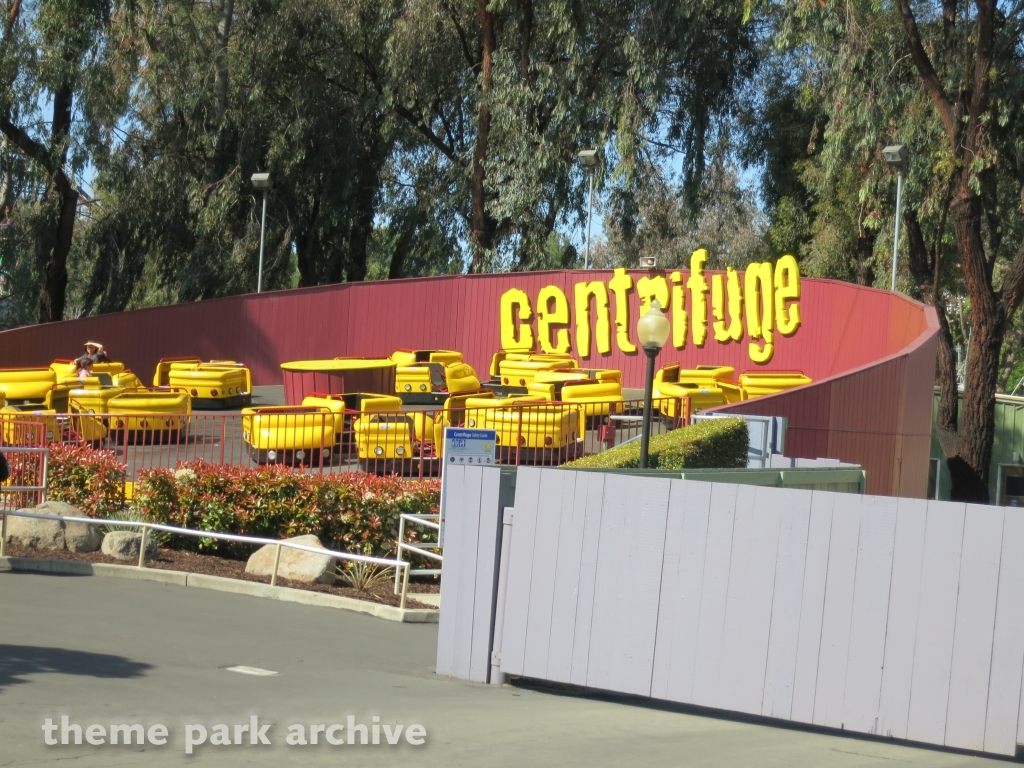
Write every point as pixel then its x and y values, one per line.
pixel 463 447
pixel 469 446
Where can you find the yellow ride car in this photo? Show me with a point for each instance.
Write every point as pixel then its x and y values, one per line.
pixel 518 369
pixel 214 384
pixel 757 384
pixel 110 374
pixel 156 415
pixel 706 386
pixel 32 387
pixel 598 397
pixel 40 427
pixel 417 356
pixel 294 435
pixel 347 408
pixel 390 440
pixel 420 374
pixel 529 429
pixel 91 395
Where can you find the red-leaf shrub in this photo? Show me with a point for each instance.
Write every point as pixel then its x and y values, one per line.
pixel 348 511
pixel 90 479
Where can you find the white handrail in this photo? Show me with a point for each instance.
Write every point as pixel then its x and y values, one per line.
pixel 423 519
pixel 396 563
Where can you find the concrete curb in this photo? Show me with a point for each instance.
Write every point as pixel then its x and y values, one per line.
pixel 221 584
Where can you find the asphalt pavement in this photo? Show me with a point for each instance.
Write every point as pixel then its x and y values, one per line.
pixel 103 651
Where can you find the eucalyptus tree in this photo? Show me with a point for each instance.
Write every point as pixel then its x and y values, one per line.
pixel 506 93
pixel 946 79
pixel 55 94
pixel 220 90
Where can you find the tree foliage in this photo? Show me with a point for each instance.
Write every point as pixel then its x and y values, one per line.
pixel 945 79
pixel 403 137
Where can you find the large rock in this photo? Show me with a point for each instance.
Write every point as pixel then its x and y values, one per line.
pixel 295 564
pixel 53 534
pixel 34 533
pixel 78 537
pixel 124 545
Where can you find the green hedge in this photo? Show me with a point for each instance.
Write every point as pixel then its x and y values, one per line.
pixel 711 444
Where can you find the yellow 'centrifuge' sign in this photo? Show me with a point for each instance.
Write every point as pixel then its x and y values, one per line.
pixel 755 304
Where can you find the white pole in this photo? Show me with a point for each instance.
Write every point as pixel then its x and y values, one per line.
pixel 896 235
pixel 263 229
pixel 590 216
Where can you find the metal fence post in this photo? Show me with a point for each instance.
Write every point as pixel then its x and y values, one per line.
pixel 398 551
pixel 497 677
pixel 277 561
pixel 46 470
pixel 405 586
pixel 3 535
pixel 142 547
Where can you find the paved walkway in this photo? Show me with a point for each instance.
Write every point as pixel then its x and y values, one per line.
pixel 113 651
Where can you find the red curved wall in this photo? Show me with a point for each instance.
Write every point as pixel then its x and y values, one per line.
pixel 880 345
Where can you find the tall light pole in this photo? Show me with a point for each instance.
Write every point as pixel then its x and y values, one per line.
pixel 652 332
pixel 897 157
pixel 588 161
pixel 261 182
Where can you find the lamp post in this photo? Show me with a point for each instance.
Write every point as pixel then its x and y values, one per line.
pixel 588 161
pixel 261 182
pixel 652 332
pixel 897 157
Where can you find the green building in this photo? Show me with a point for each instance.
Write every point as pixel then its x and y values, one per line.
pixel 1006 473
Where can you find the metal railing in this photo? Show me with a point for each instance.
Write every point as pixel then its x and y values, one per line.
pixel 431 521
pixel 29 466
pixel 404 442
pixel 398 565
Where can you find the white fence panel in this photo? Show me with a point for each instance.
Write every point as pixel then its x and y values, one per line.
pixel 901 632
pixel 837 615
pixel 975 622
pixel 895 617
pixel 682 584
pixel 588 578
pixel 1004 693
pixel 936 618
pixel 812 606
pixel 869 616
pixel 787 602
pixel 711 623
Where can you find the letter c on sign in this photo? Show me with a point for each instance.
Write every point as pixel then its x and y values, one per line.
pixel 552 309
pixel 516 337
pixel 331 739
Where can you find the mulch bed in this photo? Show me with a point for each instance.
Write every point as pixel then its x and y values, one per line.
pixel 190 562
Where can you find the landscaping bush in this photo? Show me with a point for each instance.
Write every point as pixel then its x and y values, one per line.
pixel 711 444
pixel 353 512
pixel 89 479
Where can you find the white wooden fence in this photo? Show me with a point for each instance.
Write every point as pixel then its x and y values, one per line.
pixel 897 617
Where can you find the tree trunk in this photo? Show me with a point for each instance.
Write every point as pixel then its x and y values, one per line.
pixel 53 294
pixel 367 185
pixel 308 253
pixel 975 427
pixel 966 433
pixel 222 38
pixel 483 225
pixel 55 268
pixel 864 271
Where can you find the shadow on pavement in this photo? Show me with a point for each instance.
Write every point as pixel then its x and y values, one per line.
pixel 19 661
